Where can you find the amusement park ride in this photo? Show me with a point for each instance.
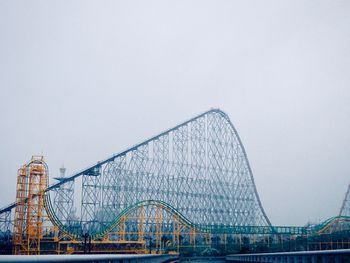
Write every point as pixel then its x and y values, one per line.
pixel 188 189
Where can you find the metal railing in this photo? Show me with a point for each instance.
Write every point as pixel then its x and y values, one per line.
pixel 337 256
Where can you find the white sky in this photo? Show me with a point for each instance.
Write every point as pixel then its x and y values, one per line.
pixel 81 80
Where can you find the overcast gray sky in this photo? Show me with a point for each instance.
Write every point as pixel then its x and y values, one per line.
pixel 81 80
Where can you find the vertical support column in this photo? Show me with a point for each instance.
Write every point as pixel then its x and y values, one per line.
pixel 176 236
pixel 113 191
pixel 207 237
pixel 281 241
pixel 159 230
pixel 30 231
pixel 180 159
pixel 19 220
pixel 160 166
pixel 345 208
pixel 141 222
pixel 64 202
pixel 254 240
pixel 90 201
pixel 193 237
pixel 199 173
pixel 55 230
pixel 35 204
pixel 122 229
pixel 29 213
pixel 224 240
pixel 240 241
pixel 5 226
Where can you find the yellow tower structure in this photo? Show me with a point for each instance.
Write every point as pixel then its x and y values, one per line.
pixel 19 222
pixel 32 181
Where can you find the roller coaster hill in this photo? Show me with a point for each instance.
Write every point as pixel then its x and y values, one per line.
pixel 188 190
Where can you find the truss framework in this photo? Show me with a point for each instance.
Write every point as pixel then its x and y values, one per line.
pixel 191 185
pixel 32 181
pixel 199 167
pixel 345 208
pixel 192 181
pixel 64 202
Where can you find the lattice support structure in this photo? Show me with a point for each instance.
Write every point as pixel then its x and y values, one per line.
pixel 189 187
pixel 153 222
pixel 345 208
pixel 141 223
pixel 5 223
pixel 90 201
pixel 64 203
pixel 343 220
pixel 199 167
pixel 20 211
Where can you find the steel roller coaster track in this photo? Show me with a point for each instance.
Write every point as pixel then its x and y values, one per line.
pixel 197 170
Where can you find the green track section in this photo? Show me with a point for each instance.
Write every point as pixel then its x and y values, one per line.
pixel 319 229
pixel 213 229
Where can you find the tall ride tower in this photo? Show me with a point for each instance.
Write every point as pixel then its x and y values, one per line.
pixel 32 181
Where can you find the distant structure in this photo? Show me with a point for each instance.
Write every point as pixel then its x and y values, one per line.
pixel 62 171
pixel 63 198
pixel 345 208
pixel 337 224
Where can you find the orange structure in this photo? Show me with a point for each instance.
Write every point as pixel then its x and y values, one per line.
pixel 19 222
pixel 32 181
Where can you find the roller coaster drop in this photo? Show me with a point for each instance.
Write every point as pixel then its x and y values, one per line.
pixel 189 186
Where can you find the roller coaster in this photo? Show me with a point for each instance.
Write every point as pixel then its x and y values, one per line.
pixel 190 187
